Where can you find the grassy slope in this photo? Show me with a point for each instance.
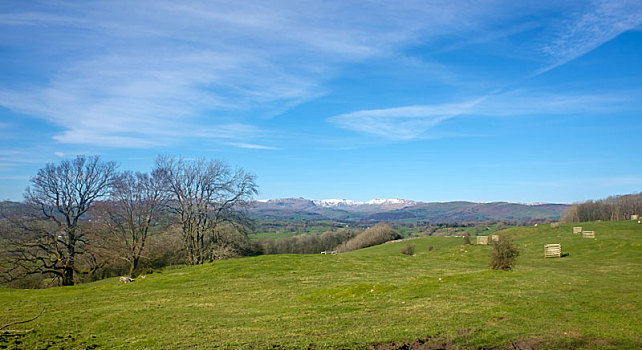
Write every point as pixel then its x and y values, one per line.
pixel 589 299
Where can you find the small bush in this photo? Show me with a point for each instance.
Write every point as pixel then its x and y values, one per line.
pixel 467 239
pixel 409 249
pixel 431 248
pixel 504 255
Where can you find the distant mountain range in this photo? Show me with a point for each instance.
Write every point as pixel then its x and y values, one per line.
pixel 401 210
pixel 390 210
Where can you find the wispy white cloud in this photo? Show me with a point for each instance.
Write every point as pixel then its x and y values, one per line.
pixel 533 102
pixel 229 131
pixel 586 30
pixel 250 146
pixel 411 122
pixel 577 34
pixel 139 77
pixel 161 71
pixel 401 123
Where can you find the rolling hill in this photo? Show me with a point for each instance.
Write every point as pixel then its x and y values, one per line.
pixel 443 297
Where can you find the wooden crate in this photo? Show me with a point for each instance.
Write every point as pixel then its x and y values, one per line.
pixel 577 229
pixel 555 224
pixel 588 234
pixel 494 238
pixel 552 250
pixel 635 217
pixel 482 240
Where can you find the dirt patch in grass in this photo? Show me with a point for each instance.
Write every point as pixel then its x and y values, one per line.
pixel 441 344
pixel 520 344
pixel 526 344
pixel 417 344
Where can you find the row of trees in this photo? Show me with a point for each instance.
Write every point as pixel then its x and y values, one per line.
pixel 307 244
pixel 342 240
pixel 611 208
pixel 79 207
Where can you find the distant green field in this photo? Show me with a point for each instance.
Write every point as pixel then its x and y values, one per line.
pixel 271 235
pixel 283 230
pixel 473 231
pixel 591 298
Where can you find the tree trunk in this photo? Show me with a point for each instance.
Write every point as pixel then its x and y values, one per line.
pixel 68 276
pixel 133 264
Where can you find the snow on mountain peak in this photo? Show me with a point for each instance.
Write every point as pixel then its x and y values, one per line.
pixel 380 201
pixel 351 203
pixel 334 202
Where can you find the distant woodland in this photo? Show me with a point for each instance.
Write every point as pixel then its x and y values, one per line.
pixel 609 209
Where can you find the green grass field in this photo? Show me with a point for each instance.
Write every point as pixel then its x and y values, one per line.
pixel 591 298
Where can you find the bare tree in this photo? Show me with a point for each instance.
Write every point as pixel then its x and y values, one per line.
pixel 54 243
pixel 204 194
pixel 136 199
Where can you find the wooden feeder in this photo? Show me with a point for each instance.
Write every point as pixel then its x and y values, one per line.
pixel 494 238
pixel 577 230
pixel 482 240
pixel 553 250
pixel 588 234
pixel 555 224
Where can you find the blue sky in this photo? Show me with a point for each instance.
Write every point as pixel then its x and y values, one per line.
pixel 426 100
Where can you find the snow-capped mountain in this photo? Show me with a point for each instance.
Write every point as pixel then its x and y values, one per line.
pixel 400 209
pixel 389 204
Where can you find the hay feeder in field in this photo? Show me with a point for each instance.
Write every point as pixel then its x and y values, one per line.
pixel 635 217
pixel 588 234
pixel 577 229
pixel 482 240
pixel 555 224
pixel 494 238
pixel 553 250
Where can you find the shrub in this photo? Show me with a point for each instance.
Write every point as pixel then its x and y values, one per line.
pixel 163 249
pixel 466 239
pixel 503 255
pixel 231 241
pixel 431 248
pixel 409 249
